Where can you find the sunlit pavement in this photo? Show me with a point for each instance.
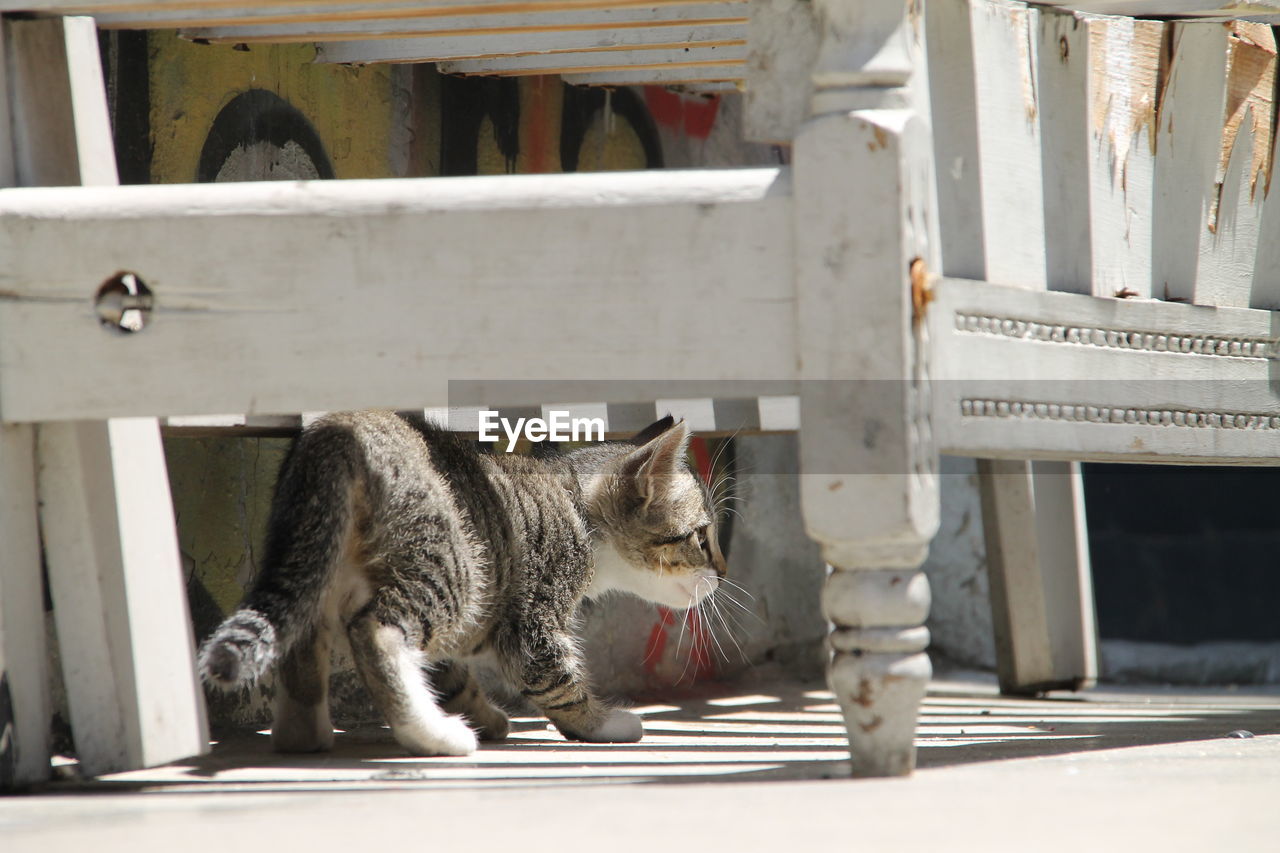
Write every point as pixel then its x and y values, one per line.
pixel 757 768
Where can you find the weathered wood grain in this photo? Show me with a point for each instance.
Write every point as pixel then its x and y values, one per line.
pixel 506 49
pixel 782 43
pixel 1065 376
pixel 1188 142
pixel 1123 77
pixel 1229 238
pixel 24 667
pixel 1061 85
pixel 119 595
pixel 124 634
pixel 729 55
pixel 954 123
pixel 1006 54
pixel 375 293
pixel 248 31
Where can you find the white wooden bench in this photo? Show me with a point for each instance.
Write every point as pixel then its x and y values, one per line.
pixel 1090 276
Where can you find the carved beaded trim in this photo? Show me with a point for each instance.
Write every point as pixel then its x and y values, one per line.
pixel 1071 412
pixel 1126 339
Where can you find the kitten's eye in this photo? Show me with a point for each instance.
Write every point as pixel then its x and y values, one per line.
pixel 671 540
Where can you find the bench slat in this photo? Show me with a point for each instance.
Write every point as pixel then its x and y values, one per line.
pixel 276 298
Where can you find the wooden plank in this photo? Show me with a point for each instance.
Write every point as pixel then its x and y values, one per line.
pixel 1229 241
pixel 727 55
pixel 207 8
pixel 206 14
pixel 782 45
pixel 892 456
pixel 1019 611
pixel 729 416
pixel 1065 376
pixel 25 707
pixel 1188 143
pixel 1061 88
pixel 1005 49
pixel 366 9
pixel 289 282
pixel 1031 548
pixel 1132 8
pixel 706 79
pixel 952 92
pixel 1166 8
pixel 1124 76
pixel 522 44
pixel 124 634
pixel 61 131
pixel 1265 291
pixel 1066 574
pixel 535 22
pixel 119 595
pixel 1041 600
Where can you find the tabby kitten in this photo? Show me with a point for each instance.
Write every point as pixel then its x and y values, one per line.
pixel 425 551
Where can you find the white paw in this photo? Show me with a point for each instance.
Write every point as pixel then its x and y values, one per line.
pixel 442 736
pixel 619 727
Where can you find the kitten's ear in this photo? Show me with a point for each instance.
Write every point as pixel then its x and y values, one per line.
pixel 652 431
pixel 654 467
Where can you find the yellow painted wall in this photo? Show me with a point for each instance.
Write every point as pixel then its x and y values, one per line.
pixel 352 109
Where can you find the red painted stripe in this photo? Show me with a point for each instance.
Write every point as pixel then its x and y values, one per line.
pixel 701 458
pixel 537 126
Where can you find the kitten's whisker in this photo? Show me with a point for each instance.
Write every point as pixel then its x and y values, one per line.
pixel 689 657
pixel 720 614
pixel 742 607
pixel 737 587
pixel 715 611
pixel 730 511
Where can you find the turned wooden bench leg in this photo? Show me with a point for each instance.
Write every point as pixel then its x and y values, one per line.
pixel 1038 564
pixel 869 489
pixel 878 669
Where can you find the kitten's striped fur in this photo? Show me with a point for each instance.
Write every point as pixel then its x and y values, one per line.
pixel 426 551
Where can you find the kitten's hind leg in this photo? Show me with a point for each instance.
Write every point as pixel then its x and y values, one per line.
pixel 391 666
pixel 301 714
pixel 458 692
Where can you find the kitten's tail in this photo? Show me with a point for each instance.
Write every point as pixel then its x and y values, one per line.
pixel 310 518
pixel 239 652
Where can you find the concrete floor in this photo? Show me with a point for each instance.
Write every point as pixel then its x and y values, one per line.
pixel 756 768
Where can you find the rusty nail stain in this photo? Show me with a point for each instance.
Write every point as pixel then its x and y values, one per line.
pixel 870 727
pixel 835 485
pixel 921 292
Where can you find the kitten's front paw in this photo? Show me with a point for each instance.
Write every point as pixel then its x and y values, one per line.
pixel 445 736
pixel 491 724
pixel 618 727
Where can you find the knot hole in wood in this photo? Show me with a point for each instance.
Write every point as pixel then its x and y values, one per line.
pixel 124 303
